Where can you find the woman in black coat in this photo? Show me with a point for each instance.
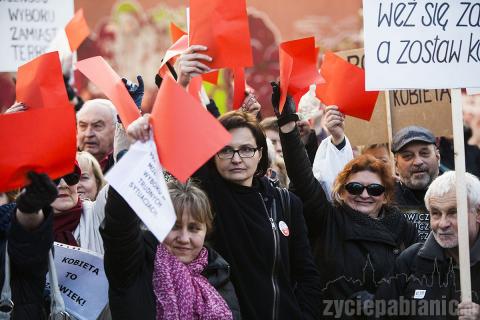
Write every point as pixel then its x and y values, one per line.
pixel 357 237
pixel 150 280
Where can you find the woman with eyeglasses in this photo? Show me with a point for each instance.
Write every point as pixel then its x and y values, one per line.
pixel 263 238
pixel 357 237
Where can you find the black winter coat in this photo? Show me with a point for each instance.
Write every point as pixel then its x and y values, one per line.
pixel 129 262
pixel 353 251
pixel 28 252
pixel 411 204
pixel 424 276
pixel 273 274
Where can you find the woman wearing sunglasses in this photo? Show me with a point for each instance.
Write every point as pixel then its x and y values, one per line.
pixel 357 237
pixel 76 221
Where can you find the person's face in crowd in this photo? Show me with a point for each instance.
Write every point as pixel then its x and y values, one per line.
pixel 417 164
pixel 364 202
pixel 3 198
pixel 381 153
pixel 95 131
pixel 443 220
pixel 186 238
pixel 237 169
pixel 87 185
pixel 275 138
pixel 67 197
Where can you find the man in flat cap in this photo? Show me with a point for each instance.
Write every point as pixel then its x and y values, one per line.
pixel 417 162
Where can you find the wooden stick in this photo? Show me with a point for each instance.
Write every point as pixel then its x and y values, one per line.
pixel 461 191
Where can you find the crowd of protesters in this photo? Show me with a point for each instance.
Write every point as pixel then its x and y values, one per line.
pixel 276 225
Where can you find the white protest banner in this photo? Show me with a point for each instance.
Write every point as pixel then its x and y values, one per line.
pixel 138 178
pixel 473 91
pixel 423 44
pixel 28 27
pixel 81 280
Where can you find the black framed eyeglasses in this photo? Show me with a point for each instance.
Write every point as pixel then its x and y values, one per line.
pixel 356 189
pixel 243 152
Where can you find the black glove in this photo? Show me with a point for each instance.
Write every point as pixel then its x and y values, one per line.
pixel 136 91
pixel 288 113
pixel 38 194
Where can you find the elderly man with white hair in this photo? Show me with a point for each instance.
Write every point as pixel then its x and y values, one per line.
pixel 427 275
pixel 96 129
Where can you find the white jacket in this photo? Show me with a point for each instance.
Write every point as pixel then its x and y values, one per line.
pixel 328 163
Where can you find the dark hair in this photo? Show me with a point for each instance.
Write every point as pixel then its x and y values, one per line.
pixel 238 119
pixel 364 162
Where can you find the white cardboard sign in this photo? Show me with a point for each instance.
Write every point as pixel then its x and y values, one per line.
pixel 81 280
pixel 138 178
pixel 28 27
pixel 427 44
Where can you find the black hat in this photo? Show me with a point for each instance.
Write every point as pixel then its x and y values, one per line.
pixel 410 134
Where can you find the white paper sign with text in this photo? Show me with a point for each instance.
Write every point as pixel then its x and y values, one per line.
pixel 28 27
pixel 81 280
pixel 138 178
pixel 424 44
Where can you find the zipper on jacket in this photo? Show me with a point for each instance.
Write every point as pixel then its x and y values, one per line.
pixel 276 242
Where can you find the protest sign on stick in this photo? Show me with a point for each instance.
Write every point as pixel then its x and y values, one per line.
pixel 461 192
pixel 424 44
pixel 27 28
pixel 432 46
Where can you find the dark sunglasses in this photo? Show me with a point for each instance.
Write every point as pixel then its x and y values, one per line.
pixel 356 189
pixel 70 179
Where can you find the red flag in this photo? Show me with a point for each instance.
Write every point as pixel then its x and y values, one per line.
pixel 40 82
pixel 194 87
pixel 185 133
pixel 175 50
pixel 303 60
pixel 175 32
pixel 222 26
pixel 106 79
pixel 345 88
pixel 77 30
pixel 211 77
pixel 41 139
pixel 238 87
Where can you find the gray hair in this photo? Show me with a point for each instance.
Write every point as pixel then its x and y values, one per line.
pixel 446 183
pixel 95 103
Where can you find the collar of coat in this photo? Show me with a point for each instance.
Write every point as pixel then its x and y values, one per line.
pixel 432 250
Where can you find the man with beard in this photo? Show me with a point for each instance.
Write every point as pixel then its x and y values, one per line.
pixel 426 279
pixel 417 162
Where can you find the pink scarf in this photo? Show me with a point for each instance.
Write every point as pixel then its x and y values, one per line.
pixel 182 292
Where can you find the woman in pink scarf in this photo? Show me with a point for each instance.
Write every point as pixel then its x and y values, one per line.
pixel 180 278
